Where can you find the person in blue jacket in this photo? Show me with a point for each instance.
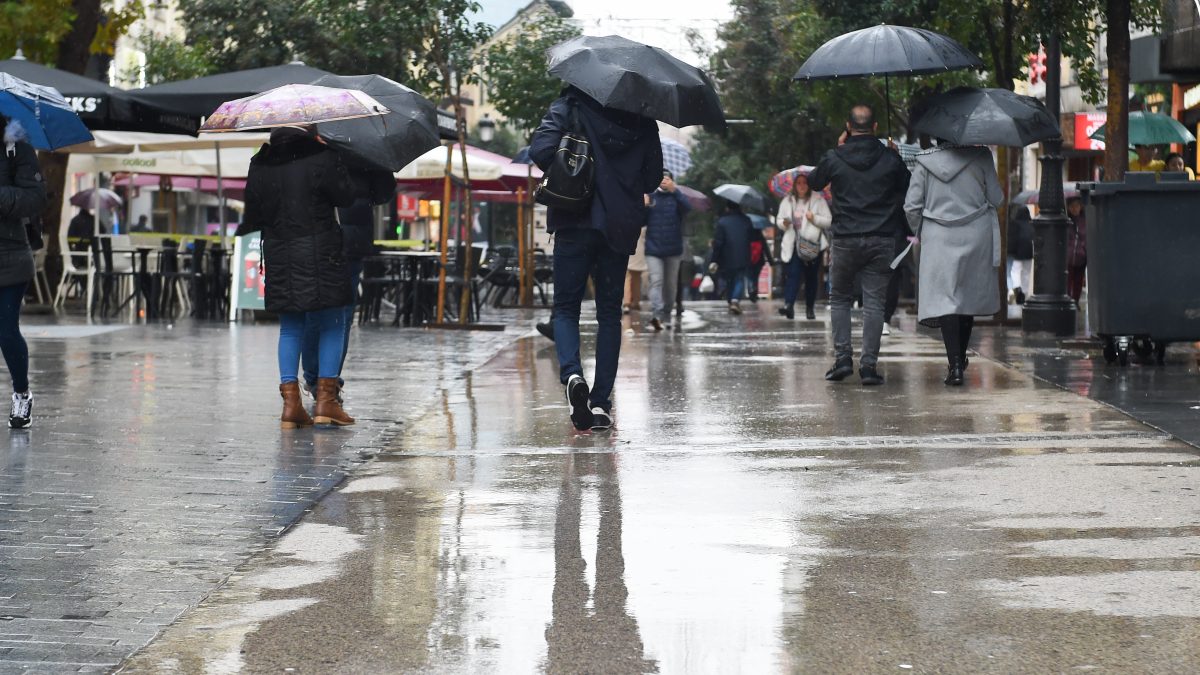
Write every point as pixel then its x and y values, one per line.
pixel 731 252
pixel 664 247
pixel 597 241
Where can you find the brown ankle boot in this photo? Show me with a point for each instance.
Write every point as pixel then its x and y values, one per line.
pixel 329 409
pixel 294 415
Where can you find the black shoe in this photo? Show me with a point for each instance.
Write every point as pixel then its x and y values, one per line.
pixel 656 324
pixel 954 373
pixel 546 329
pixel 577 398
pixel 840 371
pixel 601 419
pixel 783 310
pixel 789 312
pixel 1019 296
pixel 870 377
pixel 735 307
pixel 810 314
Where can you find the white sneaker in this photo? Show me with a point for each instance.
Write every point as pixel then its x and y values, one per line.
pixel 887 330
pixel 21 414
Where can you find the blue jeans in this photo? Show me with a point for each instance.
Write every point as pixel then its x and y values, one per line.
pixel 309 353
pixel 12 343
pixel 735 284
pixel 800 271
pixel 578 254
pixel 330 324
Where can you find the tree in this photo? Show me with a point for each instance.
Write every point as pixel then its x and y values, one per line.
pixel 34 26
pixel 170 59
pixel 515 73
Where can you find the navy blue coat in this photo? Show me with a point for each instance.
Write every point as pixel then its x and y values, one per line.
pixel 731 242
pixel 664 228
pixel 628 159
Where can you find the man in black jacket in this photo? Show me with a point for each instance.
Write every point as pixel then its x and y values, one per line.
pixel 869 185
pixel 597 241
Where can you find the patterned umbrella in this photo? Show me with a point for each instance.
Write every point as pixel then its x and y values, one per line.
pixel 780 184
pixel 293 104
pixel 676 157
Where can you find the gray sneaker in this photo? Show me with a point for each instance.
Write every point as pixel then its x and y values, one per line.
pixel 21 414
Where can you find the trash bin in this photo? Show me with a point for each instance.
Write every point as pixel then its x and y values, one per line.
pixel 1143 263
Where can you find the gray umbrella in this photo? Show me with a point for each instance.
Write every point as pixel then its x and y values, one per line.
pixel 742 195
pixel 884 51
pixel 637 78
pixel 973 116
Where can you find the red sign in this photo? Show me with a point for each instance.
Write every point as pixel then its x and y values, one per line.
pixel 406 207
pixel 1086 124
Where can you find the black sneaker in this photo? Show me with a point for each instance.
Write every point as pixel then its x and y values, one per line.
pixel 577 398
pixel 870 377
pixel 810 314
pixel 21 414
pixel 546 329
pixel 735 307
pixel 840 371
pixel 601 419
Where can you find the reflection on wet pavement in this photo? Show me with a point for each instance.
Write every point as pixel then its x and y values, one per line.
pixel 744 516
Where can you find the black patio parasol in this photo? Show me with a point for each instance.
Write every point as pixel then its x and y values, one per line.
pixel 638 78
pixel 389 142
pixel 199 97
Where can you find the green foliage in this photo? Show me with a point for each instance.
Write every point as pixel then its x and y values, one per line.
pixel 170 59
pixel 506 141
pixel 516 76
pixel 451 40
pixel 36 26
pixel 115 23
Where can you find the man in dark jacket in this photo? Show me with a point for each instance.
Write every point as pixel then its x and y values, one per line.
pixel 598 241
pixel 731 252
pixel 869 185
pixel 664 247
pixel 294 184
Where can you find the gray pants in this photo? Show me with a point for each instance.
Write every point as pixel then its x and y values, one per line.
pixel 664 277
pixel 870 257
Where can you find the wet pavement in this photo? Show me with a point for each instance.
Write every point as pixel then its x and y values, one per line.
pixel 155 467
pixel 743 516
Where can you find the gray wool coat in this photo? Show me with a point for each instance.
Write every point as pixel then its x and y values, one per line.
pixel 951 206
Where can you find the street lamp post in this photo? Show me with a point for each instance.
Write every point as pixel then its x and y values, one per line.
pixel 1049 309
pixel 487 129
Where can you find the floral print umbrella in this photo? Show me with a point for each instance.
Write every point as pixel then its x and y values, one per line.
pixel 292 104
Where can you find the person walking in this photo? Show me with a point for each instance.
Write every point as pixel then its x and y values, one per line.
pixel 804 217
pixel 1076 249
pixel 22 198
pixel 596 243
pixel 1020 252
pixel 731 252
pixel 664 247
pixel 634 272
pixel 294 185
pixel 951 206
pixel 358 242
pixel 869 181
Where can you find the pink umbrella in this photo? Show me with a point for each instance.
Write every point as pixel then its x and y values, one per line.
pixel 780 184
pixel 292 104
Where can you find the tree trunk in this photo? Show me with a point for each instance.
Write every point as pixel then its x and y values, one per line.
pixel 1116 127
pixel 74 50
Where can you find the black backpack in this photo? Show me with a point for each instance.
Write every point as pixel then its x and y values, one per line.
pixel 570 181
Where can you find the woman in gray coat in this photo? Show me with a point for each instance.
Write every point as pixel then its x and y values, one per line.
pixel 951 206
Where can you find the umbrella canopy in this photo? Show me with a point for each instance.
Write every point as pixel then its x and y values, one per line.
pixel 92 197
pixel 886 50
pixel 695 198
pixel 43 112
pixel 759 222
pixel 781 183
pixel 200 96
pixel 489 171
pixel 742 195
pixel 676 157
pixel 390 141
pixel 293 104
pixel 1151 128
pixel 99 105
pixel 637 78
pixel 974 116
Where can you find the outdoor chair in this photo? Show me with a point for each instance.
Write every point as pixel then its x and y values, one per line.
pixel 115 280
pixel 173 299
pixel 499 274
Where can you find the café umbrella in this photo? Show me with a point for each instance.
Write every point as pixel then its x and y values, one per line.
pixel 292 104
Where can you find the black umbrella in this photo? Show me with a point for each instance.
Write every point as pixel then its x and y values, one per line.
pixel 100 106
pixel 742 195
pixel 886 50
pixel 973 116
pixel 389 142
pixel 637 78
pixel 199 97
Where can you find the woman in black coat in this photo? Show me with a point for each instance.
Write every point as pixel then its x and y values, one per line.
pixel 731 252
pixel 22 197
pixel 294 185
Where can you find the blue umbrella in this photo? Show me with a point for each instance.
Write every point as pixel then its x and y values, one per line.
pixel 43 112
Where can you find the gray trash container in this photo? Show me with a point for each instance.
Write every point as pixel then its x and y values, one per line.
pixel 1143 262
